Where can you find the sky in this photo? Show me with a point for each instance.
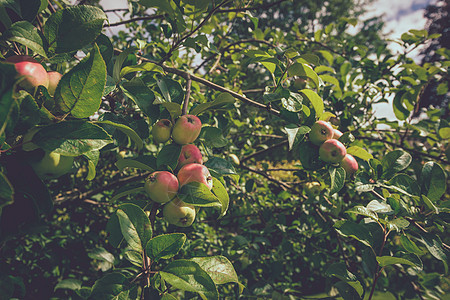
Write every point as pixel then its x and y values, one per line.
pixel 399 15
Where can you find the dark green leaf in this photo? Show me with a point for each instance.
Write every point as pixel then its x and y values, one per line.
pixel 220 100
pixel 71 138
pixel 146 162
pixel 80 90
pixel 165 246
pixel 198 194
pixel 409 245
pixel 7 80
pixel 69 284
pixel 390 260
pixel 168 156
pixel 108 287
pixel 220 166
pixel 213 137
pixel 6 191
pixel 296 135
pixel 309 156
pixel 340 271
pixel 127 130
pixel 74 27
pixel 171 90
pixel 394 162
pixel 221 193
pixel 137 91
pixel 25 33
pixel 433 181
pixel 106 259
pixel 134 225
pixel 189 276
pixel 364 211
pixel 434 246
pixel 337 176
pixel 356 231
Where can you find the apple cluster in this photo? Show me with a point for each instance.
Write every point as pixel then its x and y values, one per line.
pixel 331 150
pixel 33 74
pixel 163 186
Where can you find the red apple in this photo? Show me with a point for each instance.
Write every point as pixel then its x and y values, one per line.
pixel 34 74
pixel 186 129
pixel 320 132
pixel 195 173
pixel 336 134
pixel 189 154
pixel 161 131
pixel 161 186
pixel 53 80
pixel 332 151
pixel 349 164
pixel 179 213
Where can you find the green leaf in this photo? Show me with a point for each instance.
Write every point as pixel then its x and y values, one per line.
pixel 364 211
pixel 359 152
pixel 109 287
pixel 442 88
pixel 220 166
pixel 380 207
pixel 337 176
pixel 121 58
pixel 293 103
pixel 213 137
pixel 105 258
pixel 189 276
pixel 220 100
pixel 397 224
pixel 296 135
pixel 23 32
pixel 198 194
pixel 74 27
pixel 221 193
pixel 309 156
pixel 106 47
pixel 139 92
pixel 69 284
pixel 7 80
pixel 340 271
pixel 405 183
pixel 145 66
pixel 71 138
pixel 171 90
pixel 433 181
pixel 303 70
pixel 400 111
pixel 134 225
pixel 115 236
pixel 394 162
pixel 409 245
pixel 354 230
pixel 92 157
pixel 174 109
pixel 168 156
pixel 219 268
pixel 165 246
pixel 128 131
pixel 130 190
pixel 80 90
pixel 315 100
pixel 145 162
pixel 390 260
pixel 434 246
pixel 6 191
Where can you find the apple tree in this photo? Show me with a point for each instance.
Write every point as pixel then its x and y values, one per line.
pixel 218 149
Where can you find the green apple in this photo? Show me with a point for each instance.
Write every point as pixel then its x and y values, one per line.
pixel 161 131
pixel 186 129
pixel 32 73
pixel 161 186
pixel 52 165
pixel 320 132
pixel 195 173
pixel 332 151
pixel 189 154
pixel 27 144
pixel 53 80
pixel 312 189
pixel 179 213
pixel 349 164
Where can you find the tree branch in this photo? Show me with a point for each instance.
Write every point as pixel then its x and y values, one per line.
pixel 154 17
pixel 188 94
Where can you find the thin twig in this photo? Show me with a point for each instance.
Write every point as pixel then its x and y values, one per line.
pixel 188 94
pixel 154 17
pixel 283 143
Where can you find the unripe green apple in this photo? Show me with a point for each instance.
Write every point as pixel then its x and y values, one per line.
pixel 332 151
pixel 195 173
pixel 162 130
pixel 53 80
pixel 186 129
pixel 34 74
pixel 349 164
pixel 161 186
pixel 27 144
pixel 320 132
pixel 179 213
pixel 336 134
pixel 189 154
pixel 52 165
pixel 312 189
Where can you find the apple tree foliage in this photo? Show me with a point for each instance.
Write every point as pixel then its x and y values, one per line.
pixel 258 74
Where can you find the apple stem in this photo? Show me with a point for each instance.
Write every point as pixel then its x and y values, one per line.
pixel 188 94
